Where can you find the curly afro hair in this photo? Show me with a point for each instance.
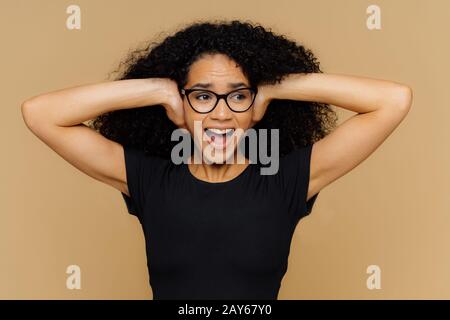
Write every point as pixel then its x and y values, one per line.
pixel 264 57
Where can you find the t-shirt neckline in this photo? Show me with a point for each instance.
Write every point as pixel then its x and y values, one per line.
pixel 221 183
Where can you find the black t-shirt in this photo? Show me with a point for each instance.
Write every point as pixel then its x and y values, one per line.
pixel 226 240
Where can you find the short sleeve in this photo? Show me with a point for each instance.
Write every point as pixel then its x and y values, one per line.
pixel 295 174
pixel 138 173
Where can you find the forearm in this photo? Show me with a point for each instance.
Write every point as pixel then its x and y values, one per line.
pixel 72 106
pixel 357 94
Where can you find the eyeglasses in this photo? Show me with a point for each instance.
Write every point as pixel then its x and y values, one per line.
pixel 204 101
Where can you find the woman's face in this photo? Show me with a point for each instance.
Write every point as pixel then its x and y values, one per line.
pixel 217 132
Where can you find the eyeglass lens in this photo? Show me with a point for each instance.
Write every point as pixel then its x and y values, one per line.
pixel 204 101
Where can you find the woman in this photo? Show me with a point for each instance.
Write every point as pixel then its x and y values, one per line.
pixel 214 228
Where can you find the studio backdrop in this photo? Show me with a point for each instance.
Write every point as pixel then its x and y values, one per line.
pixel 388 218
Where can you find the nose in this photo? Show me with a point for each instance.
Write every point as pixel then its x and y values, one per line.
pixel 221 111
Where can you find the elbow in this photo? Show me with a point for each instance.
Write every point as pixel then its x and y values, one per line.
pixel 29 110
pixel 403 98
pixel 397 101
pixel 25 108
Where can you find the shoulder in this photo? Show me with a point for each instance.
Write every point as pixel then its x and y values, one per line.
pixel 140 156
pixel 144 166
pixel 297 167
pixel 296 159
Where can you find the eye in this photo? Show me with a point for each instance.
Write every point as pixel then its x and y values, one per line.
pixel 239 95
pixel 202 96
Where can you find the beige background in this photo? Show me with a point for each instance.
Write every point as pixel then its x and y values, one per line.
pixel 392 210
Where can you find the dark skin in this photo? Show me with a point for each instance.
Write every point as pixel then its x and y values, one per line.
pixel 220 72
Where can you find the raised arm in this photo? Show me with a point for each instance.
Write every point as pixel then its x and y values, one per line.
pixel 380 106
pixel 57 119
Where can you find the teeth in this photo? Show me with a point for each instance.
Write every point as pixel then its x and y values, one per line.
pixel 220 131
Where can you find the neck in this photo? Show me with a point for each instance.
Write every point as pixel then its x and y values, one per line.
pixel 217 172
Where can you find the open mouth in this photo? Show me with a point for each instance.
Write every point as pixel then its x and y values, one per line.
pixel 219 138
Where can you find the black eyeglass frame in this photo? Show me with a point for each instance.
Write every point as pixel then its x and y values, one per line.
pixel 186 92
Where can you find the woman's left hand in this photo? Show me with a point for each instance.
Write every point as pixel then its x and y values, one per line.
pixel 262 100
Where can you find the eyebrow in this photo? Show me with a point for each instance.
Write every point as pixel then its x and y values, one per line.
pixel 208 85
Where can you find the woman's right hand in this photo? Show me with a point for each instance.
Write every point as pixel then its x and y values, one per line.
pixel 174 104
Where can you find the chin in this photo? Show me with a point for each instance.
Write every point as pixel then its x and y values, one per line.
pixel 218 156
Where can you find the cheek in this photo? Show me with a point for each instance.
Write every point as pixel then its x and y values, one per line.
pixel 189 116
pixel 186 111
pixel 244 120
pixel 193 119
